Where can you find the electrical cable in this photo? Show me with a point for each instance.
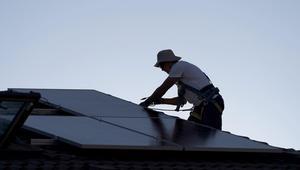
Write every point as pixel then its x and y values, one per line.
pixel 159 109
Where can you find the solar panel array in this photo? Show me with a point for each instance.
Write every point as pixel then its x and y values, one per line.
pixel 86 132
pixel 105 121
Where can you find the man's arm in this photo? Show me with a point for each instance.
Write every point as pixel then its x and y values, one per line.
pixel 171 101
pixel 160 91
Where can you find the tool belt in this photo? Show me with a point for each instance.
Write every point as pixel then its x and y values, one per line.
pixel 207 94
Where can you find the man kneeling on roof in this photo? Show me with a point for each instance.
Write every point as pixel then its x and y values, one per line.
pixel 193 85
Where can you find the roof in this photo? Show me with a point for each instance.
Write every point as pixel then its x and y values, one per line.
pixel 74 126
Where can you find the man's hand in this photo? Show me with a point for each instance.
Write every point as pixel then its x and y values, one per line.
pixel 145 103
pixel 159 92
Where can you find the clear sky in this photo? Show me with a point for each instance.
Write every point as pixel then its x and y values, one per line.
pixel 249 48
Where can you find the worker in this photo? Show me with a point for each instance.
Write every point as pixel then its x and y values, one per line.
pixel 193 85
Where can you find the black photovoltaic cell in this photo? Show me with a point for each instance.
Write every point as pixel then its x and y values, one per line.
pixel 91 103
pixel 190 135
pixel 85 132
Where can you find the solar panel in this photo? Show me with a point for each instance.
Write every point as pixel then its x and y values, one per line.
pixel 91 103
pixel 110 122
pixel 85 132
pixel 190 135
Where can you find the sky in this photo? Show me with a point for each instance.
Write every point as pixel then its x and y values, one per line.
pixel 249 48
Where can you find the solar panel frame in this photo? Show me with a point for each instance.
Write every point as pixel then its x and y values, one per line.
pixel 16 119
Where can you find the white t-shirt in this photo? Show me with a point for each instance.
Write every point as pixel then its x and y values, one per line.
pixel 191 75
